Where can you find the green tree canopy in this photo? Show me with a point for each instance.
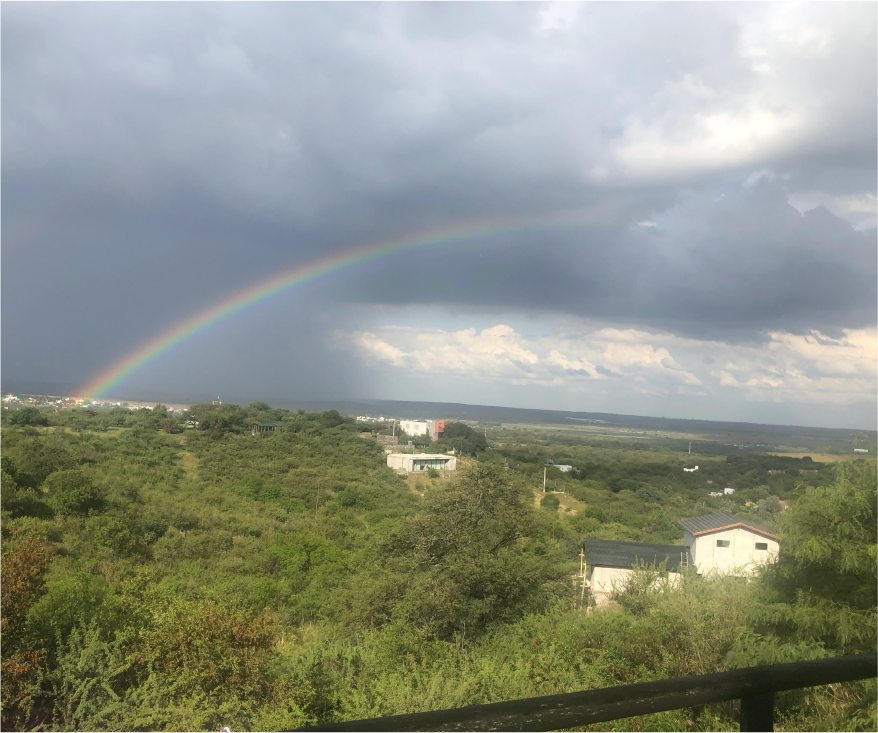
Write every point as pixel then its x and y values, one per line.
pixel 28 416
pixel 71 492
pixel 466 563
pixel 821 594
pixel 462 437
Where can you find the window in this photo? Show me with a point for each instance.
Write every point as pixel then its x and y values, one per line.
pixel 761 545
pixel 723 543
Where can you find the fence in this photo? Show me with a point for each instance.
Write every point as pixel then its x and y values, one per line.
pixel 755 687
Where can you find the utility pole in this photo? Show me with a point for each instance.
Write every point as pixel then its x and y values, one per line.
pixel 690 447
pixel 582 570
pixel 544 479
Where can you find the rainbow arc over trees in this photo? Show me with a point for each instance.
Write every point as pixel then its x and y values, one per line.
pixel 182 331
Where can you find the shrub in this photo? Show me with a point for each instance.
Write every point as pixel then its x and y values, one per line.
pixel 112 533
pixel 72 492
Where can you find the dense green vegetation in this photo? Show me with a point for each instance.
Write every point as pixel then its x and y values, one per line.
pixel 175 572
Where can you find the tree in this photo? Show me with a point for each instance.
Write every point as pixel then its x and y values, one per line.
pixel 23 663
pixel 465 563
pixel 820 597
pixel 28 416
pixel 112 533
pixel 768 510
pixel 331 419
pixel 72 492
pixel 462 437
pixel 16 499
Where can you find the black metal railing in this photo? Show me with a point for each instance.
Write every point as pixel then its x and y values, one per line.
pixel 755 687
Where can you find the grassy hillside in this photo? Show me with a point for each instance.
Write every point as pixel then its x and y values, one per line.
pixel 167 572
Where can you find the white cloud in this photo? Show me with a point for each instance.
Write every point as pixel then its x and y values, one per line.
pixel 704 140
pixel 861 209
pixel 496 351
pixel 558 15
pixel 807 369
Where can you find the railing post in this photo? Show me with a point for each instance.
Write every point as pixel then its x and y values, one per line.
pixel 757 712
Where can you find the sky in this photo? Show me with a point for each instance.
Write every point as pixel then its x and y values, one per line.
pixel 717 160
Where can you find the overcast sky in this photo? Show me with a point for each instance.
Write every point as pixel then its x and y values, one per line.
pixel 157 158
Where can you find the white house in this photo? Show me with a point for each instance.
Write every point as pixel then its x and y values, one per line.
pixel 563 467
pixel 610 562
pixel 723 543
pixel 691 470
pixel 728 490
pixel 715 543
pixel 432 428
pixel 716 493
pixel 414 427
pixel 417 462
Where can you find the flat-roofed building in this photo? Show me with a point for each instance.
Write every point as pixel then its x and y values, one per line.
pixel 417 462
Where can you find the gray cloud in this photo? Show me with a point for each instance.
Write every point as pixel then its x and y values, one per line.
pixel 165 155
pixel 730 268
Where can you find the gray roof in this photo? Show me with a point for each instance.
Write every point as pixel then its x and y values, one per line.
pixel 618 554
pixel 720 520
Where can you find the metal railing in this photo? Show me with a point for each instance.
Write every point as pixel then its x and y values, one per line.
pixel 755 687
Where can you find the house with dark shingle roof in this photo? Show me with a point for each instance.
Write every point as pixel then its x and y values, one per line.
pixel 610 562
pixel 723 543
pixel 715 543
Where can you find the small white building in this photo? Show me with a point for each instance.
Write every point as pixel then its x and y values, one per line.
pixel 417 462
pixel 414 427
pixel 716 493
pixel 723 543
pixel 861 450
pixel 728 490
pixel 431 428
pixel 609 563
pixel 563 467
pixel 691 470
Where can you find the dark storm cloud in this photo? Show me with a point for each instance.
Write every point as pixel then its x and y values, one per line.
pixel 169 154
pixel 728 269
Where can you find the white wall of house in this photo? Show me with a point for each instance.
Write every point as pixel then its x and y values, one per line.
pixel 421 462
pixel 740 557
pixel 605 580
pixel 414 427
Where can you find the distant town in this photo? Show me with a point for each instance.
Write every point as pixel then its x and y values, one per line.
pixel 56 402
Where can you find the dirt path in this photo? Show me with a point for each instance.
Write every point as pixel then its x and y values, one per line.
pixel 189 462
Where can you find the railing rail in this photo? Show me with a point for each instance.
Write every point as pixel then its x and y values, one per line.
pixel 754 686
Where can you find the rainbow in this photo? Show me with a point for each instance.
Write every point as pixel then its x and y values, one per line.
pixel 179 333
